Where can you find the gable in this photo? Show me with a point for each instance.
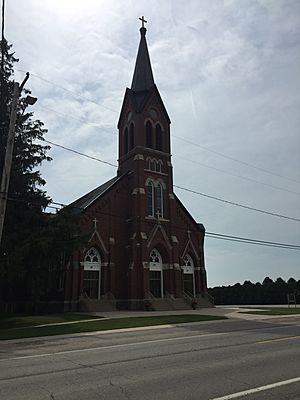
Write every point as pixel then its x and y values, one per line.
pixel 199 227
pixel 138 101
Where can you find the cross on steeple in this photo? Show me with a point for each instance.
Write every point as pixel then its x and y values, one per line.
pixel 143 21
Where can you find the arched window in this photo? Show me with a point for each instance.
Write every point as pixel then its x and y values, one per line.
pixel 131 141
pixel 149 134
pixel 188 261
pixel 188 275
pixel 155 258
pixel 92 256
pixel 148 161
pixel 158 166
pixel 126 141
pixel 150 198
pixel 158 137
pixel 156 274
pixel 159 200
pixel 153 165
pixel 92 274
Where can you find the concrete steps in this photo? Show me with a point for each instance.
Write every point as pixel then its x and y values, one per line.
pixel 180 304
pixel 160 304
pixel 90 305
pixel 169 304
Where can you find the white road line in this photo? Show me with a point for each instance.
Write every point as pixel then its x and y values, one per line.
pixel 116 346
pixel 257 389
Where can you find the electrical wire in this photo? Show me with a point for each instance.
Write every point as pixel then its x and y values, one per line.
pixel 236 175
pixel 235 159
pixel 79 95
pixel 212 235
pixel 79 153
pixel 237 204
pixel 188 190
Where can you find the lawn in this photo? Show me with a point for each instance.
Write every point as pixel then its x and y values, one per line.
pixel 101 325
pixel 273 311
pixel 9 321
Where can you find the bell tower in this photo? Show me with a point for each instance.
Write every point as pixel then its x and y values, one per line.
pixel 144 124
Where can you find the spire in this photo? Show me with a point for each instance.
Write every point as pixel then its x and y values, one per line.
pixel 142 78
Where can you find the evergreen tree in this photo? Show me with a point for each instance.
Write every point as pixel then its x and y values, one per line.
pixel 25 215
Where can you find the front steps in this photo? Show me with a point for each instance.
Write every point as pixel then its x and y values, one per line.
pixel 179 303
pixel 169 304
pixel 91 305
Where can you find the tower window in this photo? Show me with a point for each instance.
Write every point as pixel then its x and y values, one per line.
pixel 150 198
pixel 126 141
pixel 158 137
pixel 149 134
pixel 158 166
pixel 131 137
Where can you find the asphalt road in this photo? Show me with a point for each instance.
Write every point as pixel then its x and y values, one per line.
pixel 208 361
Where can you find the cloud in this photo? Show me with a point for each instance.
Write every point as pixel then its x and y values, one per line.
pixel 228 72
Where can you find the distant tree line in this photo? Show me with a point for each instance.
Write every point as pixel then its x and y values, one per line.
pixel 267 292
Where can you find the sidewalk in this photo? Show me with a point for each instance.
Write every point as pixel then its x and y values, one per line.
pixel 224 311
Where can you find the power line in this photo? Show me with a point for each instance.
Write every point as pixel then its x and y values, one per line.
pixel 183 188
pixel 212 235
pixel 79 95
pixel 236 175
pixel 78 119
pixel 254 241
pixel 186 189
pixel 78 152
pixel 75 94
pixel 237 204
pixel 235 159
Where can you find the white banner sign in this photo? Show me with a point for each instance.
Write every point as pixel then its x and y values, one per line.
pixel 91 266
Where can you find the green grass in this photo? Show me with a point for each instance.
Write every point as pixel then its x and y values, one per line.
pixel 274 311
pixel 101 325
pixel 10 321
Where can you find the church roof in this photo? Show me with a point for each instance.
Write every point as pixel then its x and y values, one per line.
pixel 83 202
pixel 142 77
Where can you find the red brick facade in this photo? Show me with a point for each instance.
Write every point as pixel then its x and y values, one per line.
pixel 148 244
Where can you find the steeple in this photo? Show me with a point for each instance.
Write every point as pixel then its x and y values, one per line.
pixel 142 78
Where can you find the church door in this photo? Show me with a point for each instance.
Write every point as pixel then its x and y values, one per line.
pixel 188 275
pixel 156 274
pixel 92 274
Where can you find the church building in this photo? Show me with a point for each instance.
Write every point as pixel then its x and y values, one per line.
pixel 145 250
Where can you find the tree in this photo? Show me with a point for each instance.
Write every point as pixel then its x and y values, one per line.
pixel 25 215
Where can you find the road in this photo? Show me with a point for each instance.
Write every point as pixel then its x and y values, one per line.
pixel 208 361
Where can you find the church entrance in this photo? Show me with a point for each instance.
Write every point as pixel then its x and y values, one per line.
pixel 92 274
pixel 156 274
pixel 188 275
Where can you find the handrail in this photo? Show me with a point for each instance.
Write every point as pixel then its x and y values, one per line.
pixel 169 296
pixel 211 298
pixel 85 295
pixel 149 295
pixel 188 296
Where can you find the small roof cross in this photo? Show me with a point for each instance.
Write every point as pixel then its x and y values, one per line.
pixel 143 21
pixel 95 223
pixel 158 214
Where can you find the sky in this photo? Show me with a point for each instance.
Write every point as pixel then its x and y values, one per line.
pixel 229 75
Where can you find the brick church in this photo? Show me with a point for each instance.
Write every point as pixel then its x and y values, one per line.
pixel 144 248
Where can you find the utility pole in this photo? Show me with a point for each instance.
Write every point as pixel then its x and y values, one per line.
pixel 9 152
